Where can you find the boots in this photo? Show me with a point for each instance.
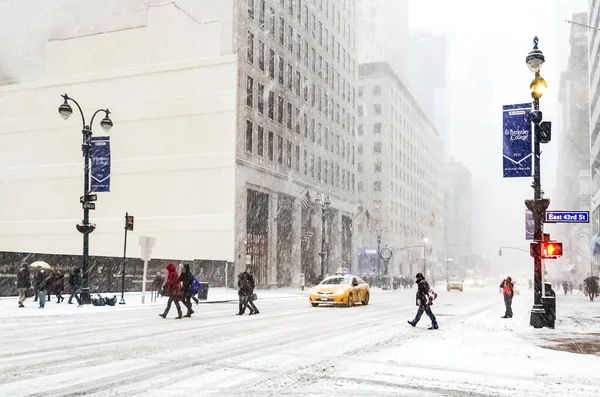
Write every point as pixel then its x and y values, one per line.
pixel 189 313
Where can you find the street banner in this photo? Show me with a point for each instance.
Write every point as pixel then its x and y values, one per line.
pixel 100 171
pixel 528 225
pixel 517 141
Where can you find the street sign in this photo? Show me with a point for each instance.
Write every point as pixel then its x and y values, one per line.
pixel 567 216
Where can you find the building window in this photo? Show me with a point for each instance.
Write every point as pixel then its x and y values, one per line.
pixel 312 130
pixel 326 106
pixel 313 58
pixel 249 128
pixel 271 109
pixel 261 98
pixel 305 162
pixel 280 63
pixel 297 160
pixel 360 129
pixel 272 22
pixel 290 77
pixel 361 111
pixel 376 147
pixel 279 150
pixel 359 167
pixel 319 165
pixel 270 144
pixel 249 91
pixel 306 53
pixel 251 9
pixel 312 165
pixel 250 50
pixel 359 148
pixel 319 68
pixel 376 90
pixel 377 128
pixel 305 124
pixel 290 39
pixel 326 72
pixel 261 55
pixel 272 64
pixel 360 187
pixel 288 153
pixel 260 144
pixel 291 7
pixel 377 166
pixel 313 95
pixel 298 80
pixel 377 108
pixel 377 186
pixel 360 92
pixel 326 140
pixel 305 90
pixel 288 121
pixel 319 134
pixel 280 109
pixel 261 14
pixel 298 44
pixel 325 171
pixel 297 118
pixel 281 32
pixel 337 176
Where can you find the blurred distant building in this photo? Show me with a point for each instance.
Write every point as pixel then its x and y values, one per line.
pixel 573 142
pixel 427 75
pixel 458 214
pixel 594 120
pixel 400 162
pixel 383 28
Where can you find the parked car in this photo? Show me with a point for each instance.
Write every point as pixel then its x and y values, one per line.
pixel 455 284
pixel 478 282
pixel 340 290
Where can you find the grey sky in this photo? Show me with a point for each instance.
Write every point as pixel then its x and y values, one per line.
pixel 488 42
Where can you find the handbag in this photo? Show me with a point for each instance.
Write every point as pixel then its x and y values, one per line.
pixel 254 297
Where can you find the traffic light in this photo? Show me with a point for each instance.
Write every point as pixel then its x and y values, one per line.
pixel 545 132
pixel 551 249
pixel 129 222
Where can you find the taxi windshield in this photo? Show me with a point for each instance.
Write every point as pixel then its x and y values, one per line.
pixel 336 281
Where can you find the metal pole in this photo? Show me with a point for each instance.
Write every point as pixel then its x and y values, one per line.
pixel 538 312
pixel 145 275
pixel 322 243
pixel 86 148
pixel 378 256
pixel 123 266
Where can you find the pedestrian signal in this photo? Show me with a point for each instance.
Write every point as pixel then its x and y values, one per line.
pixel 551 250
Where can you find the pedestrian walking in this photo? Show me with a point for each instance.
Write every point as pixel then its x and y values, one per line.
pixel 43 287
pixel 424 299
pixel 37 280
pixel 246 294
pixel 186 278
pixel 23 283
pixel 75 286
pixel 58 286
pixel 172 289
pixel 157 284
pixel 507 288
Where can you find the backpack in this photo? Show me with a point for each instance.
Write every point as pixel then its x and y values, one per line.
pixel 195 285
pixel 431 297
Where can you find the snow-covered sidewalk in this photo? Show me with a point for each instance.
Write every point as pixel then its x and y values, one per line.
pixel 133 301
pixel 487 355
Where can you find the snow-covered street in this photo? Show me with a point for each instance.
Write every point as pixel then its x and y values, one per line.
pixel 291 349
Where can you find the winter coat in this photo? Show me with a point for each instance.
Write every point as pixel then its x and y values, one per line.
pixel 507 287
pixel 75 281
pixel 186 277
pixel 38 279
pixel 422 296
pixel 172 286
pixel 46 282
pixel 245 284
pixel 58 283
pixel 23 278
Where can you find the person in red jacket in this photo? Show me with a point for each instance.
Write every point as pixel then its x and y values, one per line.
pixel 172 289
pixel 507 290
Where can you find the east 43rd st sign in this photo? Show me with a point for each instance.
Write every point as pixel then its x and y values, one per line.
pixel 567 217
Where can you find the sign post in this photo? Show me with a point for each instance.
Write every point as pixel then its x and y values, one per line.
pixel 517 141
pixel 128 226
pixel 147 243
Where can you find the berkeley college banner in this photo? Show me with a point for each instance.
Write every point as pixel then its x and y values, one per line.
pixel 517 140
pixel 100 164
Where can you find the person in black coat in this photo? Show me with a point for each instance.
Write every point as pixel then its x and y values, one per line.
pixel 186 279
pixel 37 280
pixel 44 286
pixel 75 285
pixel 246 287
pixel 424 302
pixel 23 283
pixel 58 285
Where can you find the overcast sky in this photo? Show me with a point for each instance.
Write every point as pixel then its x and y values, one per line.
pixel 488 42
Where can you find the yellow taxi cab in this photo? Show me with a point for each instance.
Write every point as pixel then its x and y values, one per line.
pixel 341 289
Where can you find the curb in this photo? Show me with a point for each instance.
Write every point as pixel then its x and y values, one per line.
pixel 235 300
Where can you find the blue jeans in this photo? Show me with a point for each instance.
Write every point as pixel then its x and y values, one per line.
pixel 427 310
pixel 42 297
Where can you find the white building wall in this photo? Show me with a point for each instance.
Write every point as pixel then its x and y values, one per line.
pixel 173 143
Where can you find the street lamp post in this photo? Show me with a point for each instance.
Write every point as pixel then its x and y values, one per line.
pixel 535 59
pixel 85 227
pixel 378 230
pixel 324 208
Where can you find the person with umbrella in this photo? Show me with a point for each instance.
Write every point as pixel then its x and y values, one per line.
pixel 23 283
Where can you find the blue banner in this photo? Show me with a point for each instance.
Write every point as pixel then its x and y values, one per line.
pixel 100 164
pixel 518 141
pixel 529 225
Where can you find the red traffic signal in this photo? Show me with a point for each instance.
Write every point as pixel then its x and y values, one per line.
pixel 129 222
pixel 551 249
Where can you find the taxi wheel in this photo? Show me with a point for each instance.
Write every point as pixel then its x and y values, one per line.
pixel 366 301
pixel 350 300
pixel 314 304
